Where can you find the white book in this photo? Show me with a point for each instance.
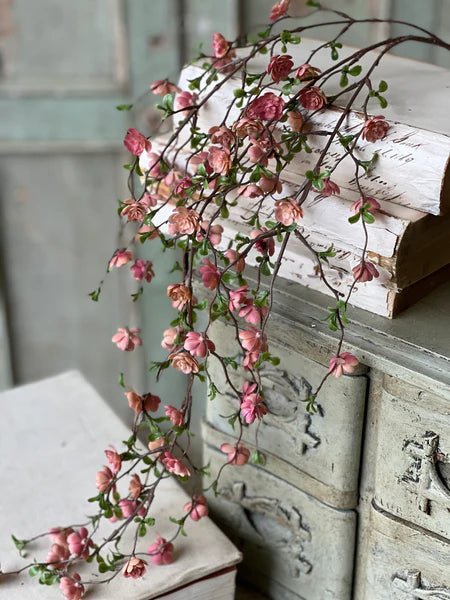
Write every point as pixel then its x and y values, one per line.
pixel 413 160
pixel 53 434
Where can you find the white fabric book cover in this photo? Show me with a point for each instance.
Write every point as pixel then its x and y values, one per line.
pixel 53 434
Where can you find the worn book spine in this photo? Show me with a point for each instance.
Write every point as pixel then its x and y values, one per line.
pixel 412 166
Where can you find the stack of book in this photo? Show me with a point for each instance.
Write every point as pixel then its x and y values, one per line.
pixel 409 241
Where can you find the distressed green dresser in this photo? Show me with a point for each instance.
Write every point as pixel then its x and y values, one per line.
pixel 353 502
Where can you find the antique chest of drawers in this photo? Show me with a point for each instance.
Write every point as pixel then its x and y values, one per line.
pixel 352 502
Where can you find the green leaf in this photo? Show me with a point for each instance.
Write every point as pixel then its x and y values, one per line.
pixel 34 570
pixel 383 86
pixel 121 380
pixel 313 3
pixel 142 530
pixel 168 102
pixel 212 391
pixel 228 278
pixel 124 107
pixel 95 294
pixel 355 71
pixel 257 458
pixel 238 93
pixel 354 218
pixel 344 80
pixel 19 544
pixel 382 100
pixel 368 217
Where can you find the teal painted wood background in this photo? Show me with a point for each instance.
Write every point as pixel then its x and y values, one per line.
pixel 63 68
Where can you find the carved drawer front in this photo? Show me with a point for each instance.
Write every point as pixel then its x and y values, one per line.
pixel 412 477
pixel 402 562
pixel 318 452
pixel 294 546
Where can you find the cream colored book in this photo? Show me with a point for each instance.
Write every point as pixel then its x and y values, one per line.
pixel 413 167
pixel 53 434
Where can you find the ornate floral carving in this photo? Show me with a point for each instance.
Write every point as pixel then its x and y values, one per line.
pixel 422 477
pixel 284 394
pixel 261 513
pixel 416 588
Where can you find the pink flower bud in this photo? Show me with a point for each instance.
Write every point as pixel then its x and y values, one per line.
pixel 71 587
pixel 375 129
pixel 126 339
pixel 161 551
pixel 237 455
pixel 104 479
pixel 134 568
pixel 198 508
pixel 343 363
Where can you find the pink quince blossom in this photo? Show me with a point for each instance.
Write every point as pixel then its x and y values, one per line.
pixel 266 107
pixel 357 206
pixel 252 407
pixel 222 136
pixel 365 271
pixel 220 46
pixel 251 313
pixel 135 211
pixel 179 294
pixel 252 341
pixel 250 190
pixel 279 10
pixel 181 186
pixel 147 402
pixel 161 551
pixel 129 507
pixel 184 362
pixel 104 479
pixel 162 87
pixel 150 163
pixel 135 486
pixel 120 258
pixel 71 587
pixel 198 344
pixel 288 211
pixel 343 363
pixel 174 465
pixel 280 66
pixel 246 127
pixel 329 187
pixel 135 142
pixel 126 339
pixel 219 159
pixel 184 221
pixel 198 508
pixel 57 556
pixel 295 120
pixel 59 535
pixel 134 568
pixel 201 158
pixel 264 245
pixel 210 274
pixel 214 235
pixel 270 185
pixel 250 358
pixel 375 129
pixel 257 153
pixel 79 543
pixel 176 416
pixel 236 260
pixel 237 297
pixel 183 100
pixel 306 71
pixel 154 445
pixel 312 98
pixel 114 459
pixel 169 337
pixel 143 269
pixel 237 455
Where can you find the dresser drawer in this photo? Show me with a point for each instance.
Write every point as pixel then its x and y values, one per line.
pixel 412 475
pixel 400 562
pixel 320 452
pixel 294 546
